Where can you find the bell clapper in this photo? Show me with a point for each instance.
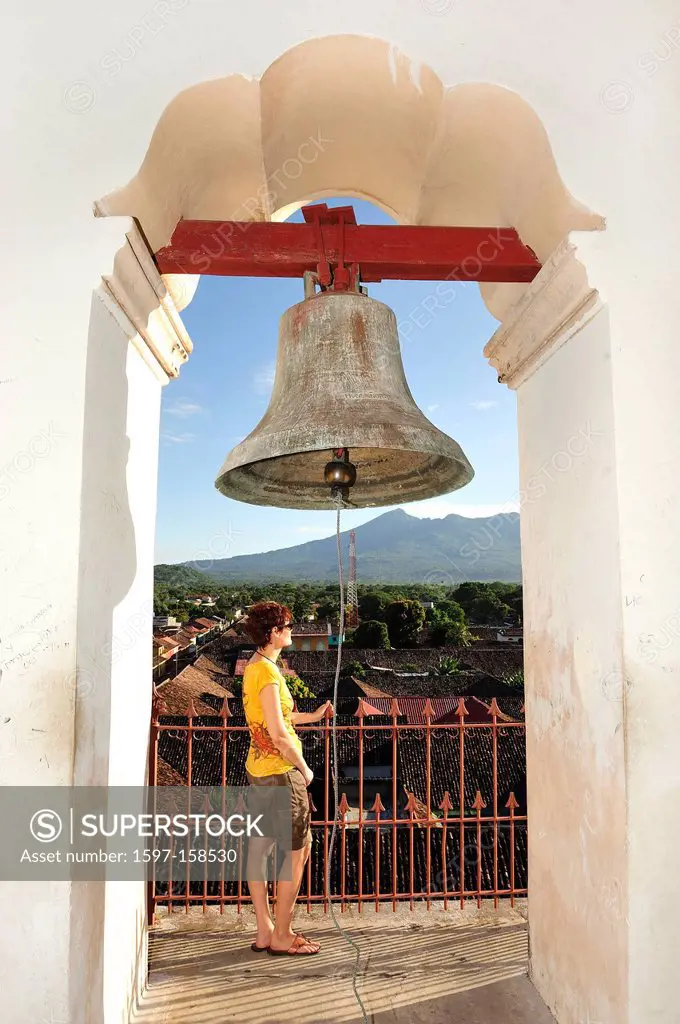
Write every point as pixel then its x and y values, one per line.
pixel 340 474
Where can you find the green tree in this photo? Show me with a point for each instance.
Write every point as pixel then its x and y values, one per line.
pixel 457 634
pixel 301 607
pixel 356 669
pixel 328 609
pixel 451 610
pixel 404 621
pixel 372 604
pixel 371 634
pixel 489 610
pixel 465 593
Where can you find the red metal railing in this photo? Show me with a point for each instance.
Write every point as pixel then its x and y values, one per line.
pixel 466 840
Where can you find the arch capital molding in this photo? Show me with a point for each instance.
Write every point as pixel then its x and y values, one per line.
pixel 557 304
pixel 147 305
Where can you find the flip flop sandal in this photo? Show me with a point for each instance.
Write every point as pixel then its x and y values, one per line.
pixel 259 949
pixel 294 949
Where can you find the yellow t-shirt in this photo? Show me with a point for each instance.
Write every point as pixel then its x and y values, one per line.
pixel 263 755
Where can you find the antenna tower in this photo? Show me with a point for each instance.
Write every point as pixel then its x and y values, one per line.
pixel 352 610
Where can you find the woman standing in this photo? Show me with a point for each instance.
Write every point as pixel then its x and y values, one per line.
pixel 275 759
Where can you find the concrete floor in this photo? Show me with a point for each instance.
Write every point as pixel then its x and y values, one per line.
pixel 414 968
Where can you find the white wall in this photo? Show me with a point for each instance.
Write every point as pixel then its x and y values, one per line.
pixel 574 650
pixel 85 117
pixel 88 680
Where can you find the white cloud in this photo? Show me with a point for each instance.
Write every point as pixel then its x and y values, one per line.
pixel 483 405
pixel 263 379
pixel 178 438
pixel 433 408
pixel 183 408
pixel 437 508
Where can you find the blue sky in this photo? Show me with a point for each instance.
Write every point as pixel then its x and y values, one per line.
pixel 223 391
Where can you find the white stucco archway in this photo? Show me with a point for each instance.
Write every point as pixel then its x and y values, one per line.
pixel 237 149
pixel 351 115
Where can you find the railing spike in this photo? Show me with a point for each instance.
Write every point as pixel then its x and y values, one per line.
pixel 493 707
pixel 446 804
pixel 411 803
pixel 226 713
pixel 428 710
pixel 191 708
pixel 479 804
pixel 512 802
pixel 378 806
pixel 394 708
pixel 343 806
pixel 461 710
pixel 159 707
pixel 361 710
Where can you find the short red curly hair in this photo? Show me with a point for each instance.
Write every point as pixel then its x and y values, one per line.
pixel 265 616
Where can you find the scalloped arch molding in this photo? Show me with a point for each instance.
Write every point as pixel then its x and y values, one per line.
pixel 352 115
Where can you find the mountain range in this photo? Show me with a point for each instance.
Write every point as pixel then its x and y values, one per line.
pixel 392 548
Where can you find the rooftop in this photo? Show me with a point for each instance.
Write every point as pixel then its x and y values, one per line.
pixel 203 682
pixel 311 628
pixel 496 660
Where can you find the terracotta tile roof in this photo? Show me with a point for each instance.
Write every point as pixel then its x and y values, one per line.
pixel 195 683
pixel 218 673
pixel 370 691
pixel 208 623
pixel 185 637
pixel 167 776
pixel 233 638
pixel 498 660
pixel 169 642
pixel 476 684
pixel 242 662
pixel 310 628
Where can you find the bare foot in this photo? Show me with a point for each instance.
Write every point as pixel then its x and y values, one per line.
pixel 264 935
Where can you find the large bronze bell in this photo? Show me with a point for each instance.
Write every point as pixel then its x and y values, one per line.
pixel 340 383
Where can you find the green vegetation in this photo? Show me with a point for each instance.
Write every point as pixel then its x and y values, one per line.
pixel 515 679
pixel 390 614
pixel 448 666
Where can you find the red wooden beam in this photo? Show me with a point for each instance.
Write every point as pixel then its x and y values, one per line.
pixel 408 253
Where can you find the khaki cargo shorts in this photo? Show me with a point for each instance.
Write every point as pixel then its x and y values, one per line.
pixel 258 801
